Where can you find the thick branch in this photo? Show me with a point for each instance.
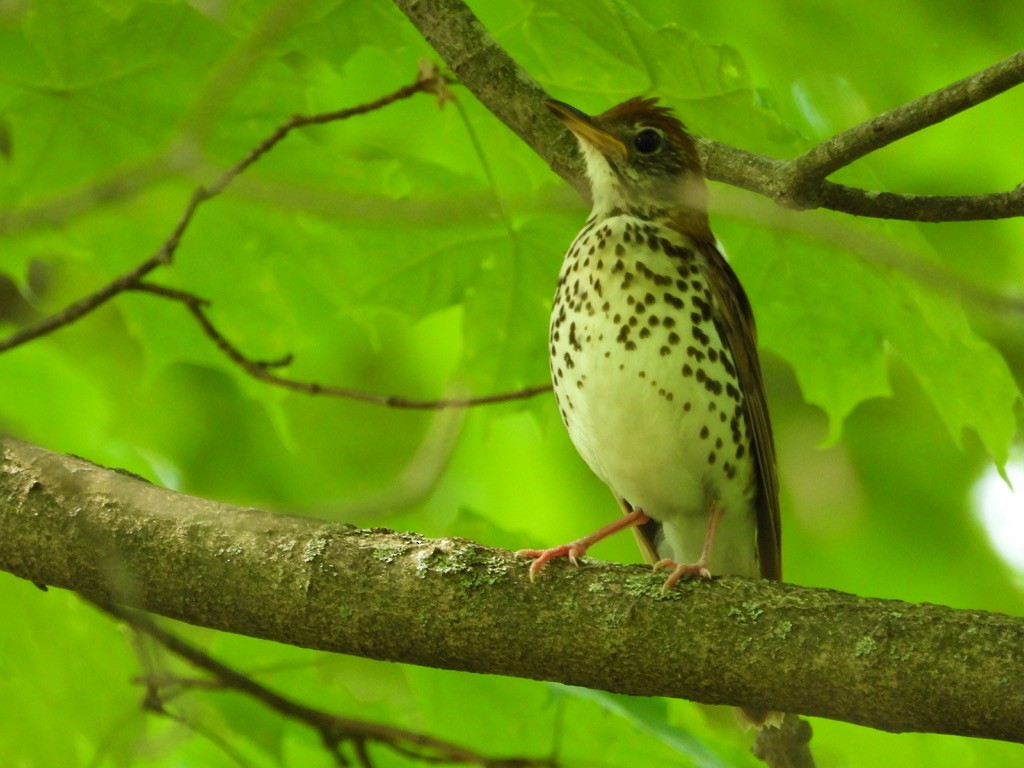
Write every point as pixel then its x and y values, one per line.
pixel 453 604
pixel 517 100
pixel 494 77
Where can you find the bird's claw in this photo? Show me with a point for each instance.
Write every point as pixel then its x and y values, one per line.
pixel 681 570
pixel 542 556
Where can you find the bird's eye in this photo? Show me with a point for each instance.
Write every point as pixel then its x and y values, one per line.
pixel 647 141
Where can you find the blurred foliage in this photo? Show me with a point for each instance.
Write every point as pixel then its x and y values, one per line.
pixel 414 251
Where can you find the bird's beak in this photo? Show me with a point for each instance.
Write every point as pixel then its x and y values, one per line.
pixel 586 129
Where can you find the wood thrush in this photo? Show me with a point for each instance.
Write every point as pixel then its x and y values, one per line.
pixel 654 358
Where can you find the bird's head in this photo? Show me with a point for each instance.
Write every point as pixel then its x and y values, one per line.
pixel 639 158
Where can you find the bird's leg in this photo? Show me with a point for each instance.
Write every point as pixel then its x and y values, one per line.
pixel 576 548
pixel 699 568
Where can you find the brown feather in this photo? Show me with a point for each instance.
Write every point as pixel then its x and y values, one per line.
pixel 735 321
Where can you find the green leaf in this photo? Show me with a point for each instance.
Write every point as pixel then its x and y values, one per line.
pixel 836 318
pixel 651 715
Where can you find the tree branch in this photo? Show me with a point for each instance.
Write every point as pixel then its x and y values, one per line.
pixel 334 730
pixel 165 253
pixel 428 80
pixel 844 148
pixel 456 605
pixel 517 100
pixel 263 369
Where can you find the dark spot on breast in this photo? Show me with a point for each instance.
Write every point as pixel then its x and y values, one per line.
pixel 674 301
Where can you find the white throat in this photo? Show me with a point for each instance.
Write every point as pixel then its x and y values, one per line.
pixel 605 186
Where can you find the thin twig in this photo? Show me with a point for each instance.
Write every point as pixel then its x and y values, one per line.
pixel 429 81
pixel 263 369
pixel 332 728
pixel 424 83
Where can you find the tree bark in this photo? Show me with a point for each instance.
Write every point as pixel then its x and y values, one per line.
pixel 453 604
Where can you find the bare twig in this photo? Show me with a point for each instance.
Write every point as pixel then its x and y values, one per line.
pixel 841 150
pixel 263 369
pixel 165 253
pixel 335 731
pixel 517 100
pixel 428 80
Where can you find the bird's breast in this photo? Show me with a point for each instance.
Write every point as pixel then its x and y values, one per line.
pixel 645 384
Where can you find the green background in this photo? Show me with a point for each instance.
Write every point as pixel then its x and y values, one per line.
pixel 414 251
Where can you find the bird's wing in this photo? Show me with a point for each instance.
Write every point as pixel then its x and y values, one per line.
pixel 735 322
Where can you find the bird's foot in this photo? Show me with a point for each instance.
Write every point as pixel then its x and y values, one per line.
pixel 576 549
pixel 681 570
pixel 542 556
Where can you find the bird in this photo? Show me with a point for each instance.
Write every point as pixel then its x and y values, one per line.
pixel 654 361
